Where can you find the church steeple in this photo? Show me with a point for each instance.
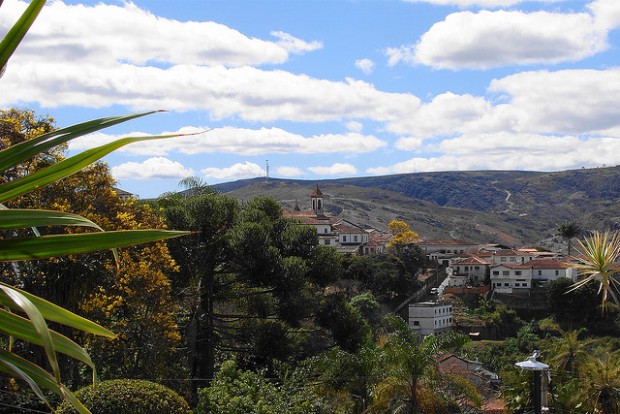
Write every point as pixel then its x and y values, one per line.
pixel 317 201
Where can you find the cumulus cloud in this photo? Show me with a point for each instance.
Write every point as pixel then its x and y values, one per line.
pixel 334 169
pixel 156 167
pixel 236 171
pixel 127 33
pixel 490 39
pixel 354 126
pixel 365 65
pixel 289 171
pixel 243 141
pixel 447 113
pixel 567 101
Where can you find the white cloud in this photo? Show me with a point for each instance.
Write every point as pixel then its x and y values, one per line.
pixel 106 34
pixel 243 142
pixel 409 143
pixel 156 167
pixel 365 65
pixel 354 126
pixel 606 12
pixel 447 113
pixel 335 169
pixel 239 170
pixel 289 171
pixel 508 151
pixel 294 45
pixel 567 101
pixel 490 39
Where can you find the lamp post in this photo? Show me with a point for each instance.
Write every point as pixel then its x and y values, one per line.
pixel 537 368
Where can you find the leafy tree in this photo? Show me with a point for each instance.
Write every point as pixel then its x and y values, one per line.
pixel 571 305
pixel 235 391
pixel 570 352
pixel 569 230
pixel 401 233
pixel 348 329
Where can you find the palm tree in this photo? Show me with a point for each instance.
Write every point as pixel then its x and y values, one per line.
pixel 570 352
pixel 568 231
pixel 413 378
pixel 598 261
pixel 601 382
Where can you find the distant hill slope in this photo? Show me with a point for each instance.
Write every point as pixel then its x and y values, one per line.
pixel 510 207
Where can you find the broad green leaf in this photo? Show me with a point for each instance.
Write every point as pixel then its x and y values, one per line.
pixel 21 328
pixel 57 314
pixel 12 39
pixel 25 150
pixel 21 218
pixel 66 167
pixel 39 323
pixel 66 244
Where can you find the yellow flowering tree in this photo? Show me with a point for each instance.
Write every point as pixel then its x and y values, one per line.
pixel 401 233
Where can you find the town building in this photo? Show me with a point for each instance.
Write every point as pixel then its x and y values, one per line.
pixel 508 277
pixel 430 318
pixel 343 235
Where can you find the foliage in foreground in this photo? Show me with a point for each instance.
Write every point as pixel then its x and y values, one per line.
pixel 18 244
pixel 129 397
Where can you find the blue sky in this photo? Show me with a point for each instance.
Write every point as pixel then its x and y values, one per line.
pixel 327 89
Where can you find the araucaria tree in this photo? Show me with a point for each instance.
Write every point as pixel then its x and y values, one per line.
pixel 251 280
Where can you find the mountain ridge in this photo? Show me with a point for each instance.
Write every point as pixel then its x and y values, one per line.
pixel 508 207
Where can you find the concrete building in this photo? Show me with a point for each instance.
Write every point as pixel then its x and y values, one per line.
pixel 430 318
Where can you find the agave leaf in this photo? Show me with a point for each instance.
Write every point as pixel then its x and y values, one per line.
pixel 39 324
pixel 7 366
pixel 67 244
pixel 66 167
pixel 12 39
pixel 38 378
pixel 21 328
pixel 22 218
pixel 56 313
pixel 25 150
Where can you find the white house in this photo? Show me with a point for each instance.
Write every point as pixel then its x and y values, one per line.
pixel 430 318
pixel 536 273
pixel 512 256
pixel 472 270
pixel 441 250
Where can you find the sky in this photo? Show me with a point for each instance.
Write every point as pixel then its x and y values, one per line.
pixel 326 89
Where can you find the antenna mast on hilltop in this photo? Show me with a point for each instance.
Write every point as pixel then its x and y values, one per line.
pixel 267 170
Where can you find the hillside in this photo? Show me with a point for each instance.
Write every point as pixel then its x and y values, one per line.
pixel 509 207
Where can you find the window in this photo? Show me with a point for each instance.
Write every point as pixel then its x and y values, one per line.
pixel 416 323
pixel 325 230
pixel 354 238
pixel 328 242
pixel 539 272
pixel 505 272
pixel 513 259
pixel 466 268
pixel 506 284
pixel 557 272
pixel 502 259
pixel 517 273
pixel 517 284
pixel 344 238
pixel 477 267
pixel 496 273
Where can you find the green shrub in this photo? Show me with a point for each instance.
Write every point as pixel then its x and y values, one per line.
pixel 129 397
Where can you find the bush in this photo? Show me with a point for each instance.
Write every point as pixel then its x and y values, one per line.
pixel 129 397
